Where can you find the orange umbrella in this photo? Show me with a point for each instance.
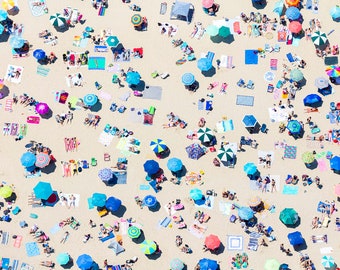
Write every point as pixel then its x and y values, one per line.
pixel 212 242
pixel 295 27
pixel 8 4
pixel 293 3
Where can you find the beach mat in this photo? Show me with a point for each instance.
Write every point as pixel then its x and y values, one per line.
pixel 290 152
pixel 56 228
pixel 43 71
pixel 32 249
pixel 152 92
pixel 165 222
pixel 25 266
pixel 290 190
pixel 163 9
pixel 144 187
pixel 326 250
pixel 331 60
pixel 89 203
pixel 245 100
pixel 15 264
pixel 4 238
pixel 17 241
pixel 96 63
pixel 120 177
pixel 251 57
pixel 135 115
pixel 37 10
pixel 235 242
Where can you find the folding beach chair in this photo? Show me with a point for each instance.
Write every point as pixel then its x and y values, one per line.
pixel 250 84
pixel 273 64
pixel 290 57
pixel 268 48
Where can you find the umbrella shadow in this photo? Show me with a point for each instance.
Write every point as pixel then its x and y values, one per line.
pixel 229 39
pixel 62 29
pixel 260 4
pixel 69 265
pixel 218 250
pixel 4 91
pixel 301 247
pixel 97 107
pixel 118 49
pixel 138 87
pixel 312 165
pixel 4 37
pixel 47 115
pixel 164 154
pixel 155 208
pixel 140 239
pixel 120 212
pixel 297 224
pixel 154 256
pixel 181 173
pixel 49 169
pixel 209 73
pixel 11 198
pixel 13 11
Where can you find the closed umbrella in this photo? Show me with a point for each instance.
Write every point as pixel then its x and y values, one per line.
pixel 321 82
pixel 176 264
pixel 28 159
pixel 6 192
pixel 289 216
pixel 196 194
pixel 308 157
pixel 158 146
pixel 249 120
pixel 175 164
pixel 112 41
pixel 293 13
pixel 188 78
pixel 98 199
pixel 328 262
pixel 148 247
pixel 212 30
pixel 224 31
pixel 312 100
pixel 295 27
pixel 105 174
pixel 133 77
pixel 133 232
pixel 57 20
pixel 207 264
pixel 42 108
pixel 3 15
pixel 84 262
pixel 150 201
pixel 254 201
pixel 43 190
pixel 250 168
pixel 278 7
pixel 204 64
pixel 207 3
pixel 225 154
pixel 335 163
pixel 271 264
pixel 296 75
pixel 8 4
pixel 42 160
pixel 245 213
pixel 319 38
pixel 136 20
pixel 333 71
pixel 293 3
pixel 294 127
pixel 90 99
pixel 63 258
pixel 16 42
pixel 212 242
pixel 205 135
pixel 151 167
pixel 39 54
pixel 335 13
pixel 113 204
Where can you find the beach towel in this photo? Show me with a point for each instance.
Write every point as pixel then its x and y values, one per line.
pixel 225 207
pixel 315 6
pixel 15 264
pixel 5 263
pixel 17 241
pixel 108 237
pixel 251 57
pixel 290 57
pixel 290 152
pixel 319 238
pixel 163 9
pixel 56 228
pixel 152 92
pixel 42 71
pixel 9 105
pixel 331 60
pixel 32 249
pixel 323 207
pixel 197 229
pixel 253 244
pixel 14 129
pixel 96 63
pixel 236 27
pixel 244 100
pixel 200 105
pixel 38 7
pixel 234 242
pixel 14 74
pixel 105 138
pixel 226 61
pixel 165 222
pixel 281 36
pixel 273 64
pixel 326 250
pixel 4 238
pixel 23 130
pixel 136 115
pixel 290 190
pixel 105 95
pixel 25 266
pixel 323 165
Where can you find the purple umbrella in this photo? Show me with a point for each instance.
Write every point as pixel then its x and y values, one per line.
pixel 42 108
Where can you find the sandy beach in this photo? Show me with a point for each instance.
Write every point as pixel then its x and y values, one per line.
pixel 166 95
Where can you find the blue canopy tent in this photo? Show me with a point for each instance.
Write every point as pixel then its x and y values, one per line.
pixel 181 11
pixel 312 100
pixel 195 151
pixel 295 238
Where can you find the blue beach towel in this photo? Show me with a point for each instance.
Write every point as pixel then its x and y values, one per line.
pixel 144 187
pixel 200 105
pixel 89 203
pixel 5 263
pixel 32 249
pixel 290 190
pixel 251 57
pixel 165 222
pixel 153 183
pixel 56 228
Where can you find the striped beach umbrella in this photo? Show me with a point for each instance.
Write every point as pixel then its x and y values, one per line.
pixel 333 71
pixel 136 20
pixel 327 262
pixel 205 135
pixel 176 264
pixel 188 78
pixel 148 247
pixel 225 154
pixel 134 232
pixel 57 20
pixel 6 192
pixel 90 99
pixel 319 38
pixel 158 146
pixel 42 160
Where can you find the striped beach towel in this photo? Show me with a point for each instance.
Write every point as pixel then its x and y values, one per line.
pixel 273 64
pixel 8 105
pixel 43 71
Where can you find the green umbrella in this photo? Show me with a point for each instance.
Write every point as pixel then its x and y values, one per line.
pixel 6 192
pixel 205 135
pixel 271 264
pixel 296 75
pixel 176 264
pixel 224 31
pixel 289 216
pixel 133 232
pixel 57 20
pixel 148 247
pixel 308 157
pixel 225 154
pixel 212 30
pixel 136 20
pixel 319 38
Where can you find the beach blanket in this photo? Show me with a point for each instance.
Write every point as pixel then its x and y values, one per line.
pixel 263 154
pixel 279 114
pixel 319 238
pixel 126 147
pixel 290 190
pixel 244 100
pixel 25 266
pixel 235 242
pixel 323 165
pixel 197 229
pixel 290 152
pixel 225 207
pixel 121 55
pixel 96 63
pixel 224 126
pixel 38 7
pixel 67 195
pixel 226 61
pixel 42 71
pixel 323 207
pixel 77 60
pixel 135 115
pixel 251 57
pixel 4 238
pixel 168 29
pixel 14 73
pixel 32 249
pixel 152 92
pixel 105 138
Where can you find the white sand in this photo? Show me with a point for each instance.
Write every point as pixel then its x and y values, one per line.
pixel 161 56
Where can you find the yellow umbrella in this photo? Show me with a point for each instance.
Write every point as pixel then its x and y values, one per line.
pixel 8 4
pixel 6 191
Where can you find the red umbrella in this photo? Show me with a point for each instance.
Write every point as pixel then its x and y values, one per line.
pixel 207 3
pixel 212 242
pixel 295 27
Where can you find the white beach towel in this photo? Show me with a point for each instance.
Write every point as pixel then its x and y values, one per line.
pixel 14 74
pixel 263 154
pixel 172 210
pixel 326 250
pixel 278 114
pixel 167 26
pixel 105 138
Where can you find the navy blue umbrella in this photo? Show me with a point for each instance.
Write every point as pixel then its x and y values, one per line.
pixel 335 163
pixel 113 204
pixel 207 264
pixel 84 262
pixel 293 13
pixel 39 54
pixel 295 238
pixel 151 167
pixel 312 100
pixel 149 200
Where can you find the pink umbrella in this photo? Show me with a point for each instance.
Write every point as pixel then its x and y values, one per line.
pixel 337 189
pixel 207 3
pixel 42 108
pixel 295 27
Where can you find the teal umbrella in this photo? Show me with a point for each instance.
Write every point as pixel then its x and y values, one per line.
pixel 196 194
pixel 98 199
pixel 250 168
pixel 148 247
pixel 289 216
pixel 43 190
pixel 278 7
pixel 176 264
pixel 296 75
pixel 335 13
pixel 134 232
pixel 212 30
pixel 112 41
pixel 224 31
pixel 63 258
pixel 328 262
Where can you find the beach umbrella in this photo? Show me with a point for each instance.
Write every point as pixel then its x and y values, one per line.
pixel 295 27
pixel 289 216
pixel 224 31
pixel 328 262
pixel 112 41
pixel 90 99
pixel 249 120
pixel 337 190
pixel 207 264
pixel 321 82
pixel 148 247
pixel 333 71
pixel 42 108
pixel 293 13
pixel 133 77
pixel 150 201
pixel 8 4
pixel 296 75
pixel 84 262
pixel 176 264
pixel 57 20
pixel 28 159
pixel 278 7
pixel 136 20
pixel 113 204
pixel 188 78
pixel 319 38
pixel 16 42
pixel 205 135
pixel 98 199
pixel 207 3
pixel 250 168
pixel 212 242
pixel 204 64
pixel 3 15
pixel 42 160
pixel 335 13
pixel 63 258
pixel 133 232
pixel 175 164
pixel 194 151
pixel 335 163
pixel 6 192
pixel 105 174
pixel 308 157
pixel 158 145
pixel 312 100
pixel 43 190
pixel 225 154
pixel 245 213
pixel 196 194
pixel 284 266
pixel 2 29
pixel 151 167
pixel 294 127
pixel 212 30
pixel 295 238
pixel 292 3
pixel 254 201
pixel 271 264
pixel 39 54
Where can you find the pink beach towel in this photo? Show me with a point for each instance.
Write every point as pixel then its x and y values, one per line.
pixel 322 165
pixel 17 242
pixel 230 62
pixel 273 64
pixel 236 26
pixel 8 105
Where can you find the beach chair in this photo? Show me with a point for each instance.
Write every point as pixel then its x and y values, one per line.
pixel 107 157
pixel 93 162
pixel 74 224
pixel 210 56
pixel 241 83
pixel 250 84
pixel 273 64
pixel 103 212
pixel 290 58
pixel 264 128
pixel 332 106
pixel 277 48
pixel 74 16
pixel 268 48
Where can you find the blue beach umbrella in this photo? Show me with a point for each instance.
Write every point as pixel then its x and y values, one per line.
pixel 149 200
pixel 312 100
pixel 16 42
pixel 2 28
pixel 278 7
pixel 294 127
pixel 335 163
pixel 39 54
pixel 335 13
pixel 250 168
pixel 3 15
pixel 151 167
pixel 245 213
pixel 204 64
pixel 175 164
pixel 207 264
pixel 113 204
pixel 43 190
pixel 63 258
pixel 28 159
pixel 98 199
pixel 293 13
pixel 295 238
pixel 133 77
pixel 90 99
pixel 188 78
pixel 196 194
pixel 84 262
pixel 212 30
pixel 158 146
pixel 105 174
pixel 176 264
pixel 249 120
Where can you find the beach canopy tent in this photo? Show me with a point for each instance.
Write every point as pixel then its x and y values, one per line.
pixel 271 264
pixel 294 127
pixel 245 213
pixel 196 194
pixel 63 258
pixel 328 262
pixel 181 11
pixel 175 164
pixel 335 163
pixel 207 264
pixel 289 216
pixel 194 151
pixel 148 247
pixel 115 247
pixel 113 204
pixel 84 262
pixel 151 167
pixel 293 13
pixel 212 242
pixel 295 238
pixel 176 264
pixel 335 13
pixel 98 199
pixel 312 100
